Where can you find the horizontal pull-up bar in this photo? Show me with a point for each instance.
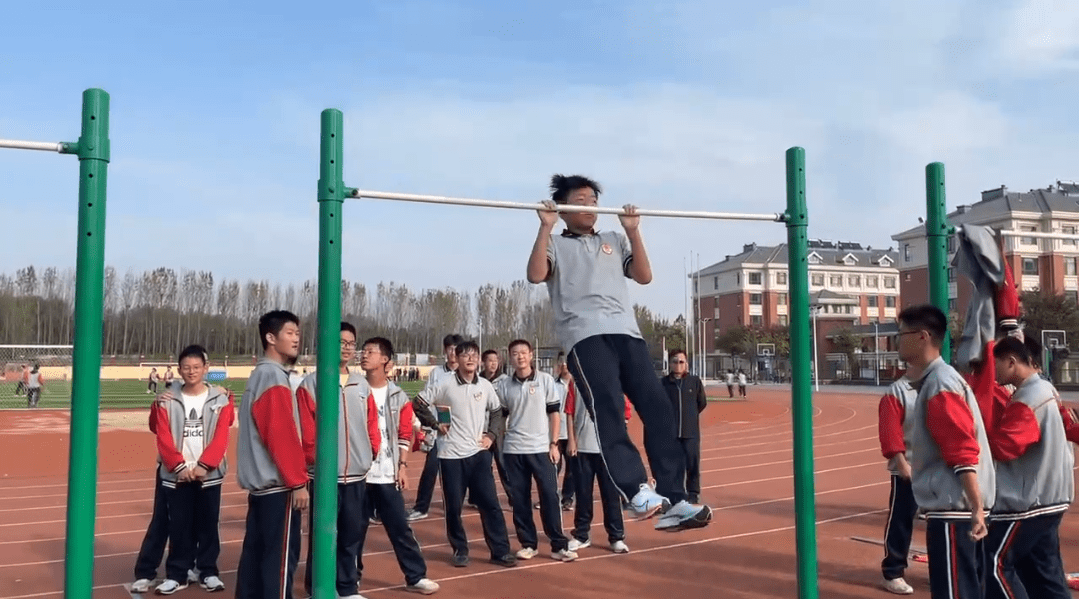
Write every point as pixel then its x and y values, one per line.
pixel 1038 234
pixel 409 197
pixel 46 146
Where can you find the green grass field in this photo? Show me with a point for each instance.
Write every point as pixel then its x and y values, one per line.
pixel 120 394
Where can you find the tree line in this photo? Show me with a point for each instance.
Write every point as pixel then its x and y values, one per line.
pixel 152 314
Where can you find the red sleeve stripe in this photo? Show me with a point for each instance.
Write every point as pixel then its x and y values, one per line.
pixel 272 413
pixel 890 426
pixel 951 424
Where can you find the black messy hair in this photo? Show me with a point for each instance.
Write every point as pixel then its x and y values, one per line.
pixel 562 186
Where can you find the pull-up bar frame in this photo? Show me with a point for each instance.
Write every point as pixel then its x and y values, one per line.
pixel 332 192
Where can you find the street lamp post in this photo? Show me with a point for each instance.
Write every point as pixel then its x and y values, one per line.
pixel 703 374
pixel 876 350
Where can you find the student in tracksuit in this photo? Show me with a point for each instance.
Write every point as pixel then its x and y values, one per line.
pixel 585 272
pixel 425 413
pixel 492 371
pixel 583 445
pixel 952 470
pixel 191 421
pixel 357 443
pixel 563 379
pixel 895 425
pixel 388 474
pixel 686 392
pixel 464 457
pixel 1035 483
pixel 532 414
pixel 152 549
pixel 271 465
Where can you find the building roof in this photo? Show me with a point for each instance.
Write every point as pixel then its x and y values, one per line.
pixel 830 252
pixel 997 204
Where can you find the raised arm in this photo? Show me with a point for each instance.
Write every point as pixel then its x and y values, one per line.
pixel 539 266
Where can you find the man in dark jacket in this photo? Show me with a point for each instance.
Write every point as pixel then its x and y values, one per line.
pixel 686 392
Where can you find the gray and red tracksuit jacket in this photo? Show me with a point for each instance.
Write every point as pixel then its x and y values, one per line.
pixel 1033 458
pixel 895 422
pixel 167 417
pixel 358 438
pixel 948 438
pixel 269 450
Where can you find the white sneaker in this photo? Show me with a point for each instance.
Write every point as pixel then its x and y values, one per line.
pixel 356 596
pixel 193 575
pixel 565 555
pixel 684 515
pixel 212 584
pixel 619 547
pixel 897 586
pixel 527 553
pixel 575 545
pixel 647 502
pixel 423 586
pixel 414 515
pixel 169 587
pixel 141 585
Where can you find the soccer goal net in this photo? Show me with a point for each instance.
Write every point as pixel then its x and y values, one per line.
pixel 17 365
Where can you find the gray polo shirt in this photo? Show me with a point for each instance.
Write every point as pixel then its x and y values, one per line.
pixel 561 390
pixel 587 286
pixel 527 425
pixel 584 428
pixel 471 404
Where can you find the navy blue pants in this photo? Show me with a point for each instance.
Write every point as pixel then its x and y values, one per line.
pixel 1023 559
pixel 194 540
pixel 271 547
pixel 565 462
pixel 900 528
pixel 589 472
pixel 521 470
pixel 351 516
pixel 605 367
pixel 426 489
pixel 157 535
pixel 473 473
pixel 955 561
pixel 386 499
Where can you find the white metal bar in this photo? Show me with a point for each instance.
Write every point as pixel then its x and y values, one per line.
pixel 1037 234
pixel 409 197
pixel 46 146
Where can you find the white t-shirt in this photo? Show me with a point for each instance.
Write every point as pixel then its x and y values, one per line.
pixel 382 470
pixel 741 378
pixel 194 439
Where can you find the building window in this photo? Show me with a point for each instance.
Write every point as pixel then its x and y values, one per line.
pixel 781 299
pixel 889 282
pixel 1028 240
pixel 871 301
pixel 754 278
pixel 818 280
pixel 835 281
pixel 754 299
pixel 782 320
pixel 1030 266
pixel 871 281
pixel 906 252
pixel 889 301
pixel 781 278
pixel 849 309
pixel 953 304
pixel 951 274
pixel 854 281
pixel 1069 265
pixel 755 320
pixel 715 313
pixel 951 244
pixel 1068 230
pixel 715 282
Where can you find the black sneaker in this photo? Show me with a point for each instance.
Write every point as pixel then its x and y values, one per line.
pixel 460 560
pixel 506 561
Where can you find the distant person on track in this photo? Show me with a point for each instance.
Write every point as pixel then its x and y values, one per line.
pixel 492 371
pixel 35 382
pixel 20 385
pixel 895 424
pixel 152 381
pixel 192 422
pixel 168 376
pixel 742 383
pixel 686 392
pixel 585 271
pixel 952 471
pixel 730 383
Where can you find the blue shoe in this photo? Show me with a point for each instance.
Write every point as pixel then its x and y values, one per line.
pixel 647 502
pixel 684 515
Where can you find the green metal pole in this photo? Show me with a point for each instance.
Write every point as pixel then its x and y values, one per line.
pixel 331 194
pixel 805 519
pixel 936 238
pixel 93 152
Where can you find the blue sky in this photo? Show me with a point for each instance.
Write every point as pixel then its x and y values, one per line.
pixel 680 105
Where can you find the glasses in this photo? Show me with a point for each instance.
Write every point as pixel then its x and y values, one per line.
pixel 367 351
pixel 897 336
pixel 348 345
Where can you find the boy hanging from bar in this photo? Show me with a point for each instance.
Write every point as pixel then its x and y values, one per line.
pixel 357 444
pixel 192 420
pixel 585 271
pixel 388 476
pixel 271 464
